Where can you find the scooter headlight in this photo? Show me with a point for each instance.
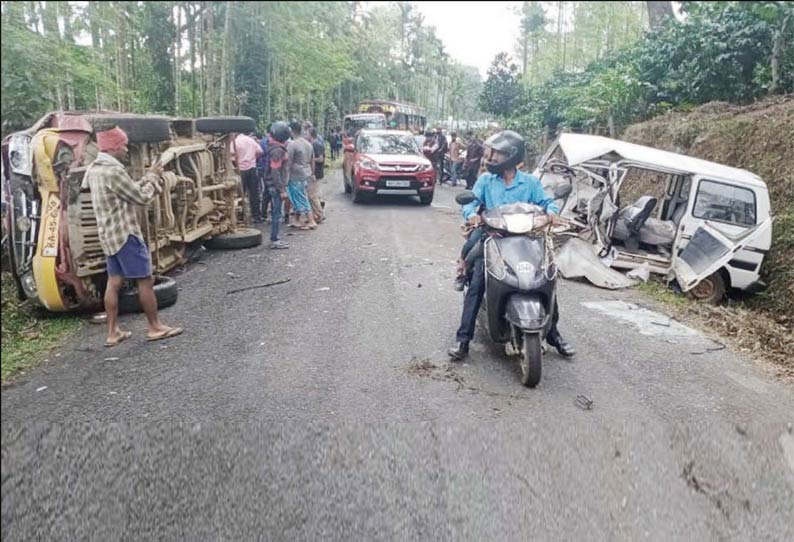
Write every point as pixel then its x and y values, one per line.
pixel 29 285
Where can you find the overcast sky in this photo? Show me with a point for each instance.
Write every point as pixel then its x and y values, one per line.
pixel 473 32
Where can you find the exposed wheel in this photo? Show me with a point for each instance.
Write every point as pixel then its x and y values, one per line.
pixel 165 291
pixel 225 125
pixel 426 199
pixel 531 360
pixel 139 128
pixel 242 238
pixel 709 290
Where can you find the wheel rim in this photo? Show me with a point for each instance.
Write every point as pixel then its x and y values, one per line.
pixel 705 289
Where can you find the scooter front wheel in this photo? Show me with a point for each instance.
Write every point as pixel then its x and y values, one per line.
pixel 531 360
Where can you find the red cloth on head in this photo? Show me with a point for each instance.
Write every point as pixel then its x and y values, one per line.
pixel 111 140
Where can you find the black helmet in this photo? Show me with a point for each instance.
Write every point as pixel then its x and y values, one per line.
pixel 509 143
pixel 280 131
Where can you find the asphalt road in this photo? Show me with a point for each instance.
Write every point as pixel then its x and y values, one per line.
pixel 325 409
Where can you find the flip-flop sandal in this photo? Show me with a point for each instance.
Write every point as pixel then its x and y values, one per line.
pixel 173 332
pixel 120 339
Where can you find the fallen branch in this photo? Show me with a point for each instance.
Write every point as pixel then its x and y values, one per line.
pixel 258 286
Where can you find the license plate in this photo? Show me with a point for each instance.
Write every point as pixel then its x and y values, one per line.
pixel 398 184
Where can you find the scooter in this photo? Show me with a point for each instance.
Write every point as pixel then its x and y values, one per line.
pixel 520 279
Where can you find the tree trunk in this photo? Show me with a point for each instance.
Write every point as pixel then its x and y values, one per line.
pixel 191 38
pixel 222 106
pixel 658 12
pixel 777 53
pixel 177 55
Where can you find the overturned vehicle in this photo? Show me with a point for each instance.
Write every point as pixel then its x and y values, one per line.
pixel 645 210
pixel 54 247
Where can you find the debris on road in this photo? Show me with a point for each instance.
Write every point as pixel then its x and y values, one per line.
pixel 323 289
pixel 112 359
pixel 584 402
pixel 267 285
pixel 41 388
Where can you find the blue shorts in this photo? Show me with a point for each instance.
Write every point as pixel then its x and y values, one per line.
pixel 132 261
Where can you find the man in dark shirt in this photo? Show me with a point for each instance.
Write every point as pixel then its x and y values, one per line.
pixel 276 178
pixel 474 153
pixel 319 173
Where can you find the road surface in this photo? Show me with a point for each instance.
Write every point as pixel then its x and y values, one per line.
pixel 325 408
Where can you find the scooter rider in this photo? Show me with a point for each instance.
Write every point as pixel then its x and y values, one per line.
pixel 502 184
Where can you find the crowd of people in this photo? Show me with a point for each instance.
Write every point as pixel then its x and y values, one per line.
pixel 462 157
pixel 281 172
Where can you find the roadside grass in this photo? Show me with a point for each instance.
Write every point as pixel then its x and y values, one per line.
pixel 28 334
pixel 758 334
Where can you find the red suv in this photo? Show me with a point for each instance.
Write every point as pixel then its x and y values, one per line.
pixel 387 162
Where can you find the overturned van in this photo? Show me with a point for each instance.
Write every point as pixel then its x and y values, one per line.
pixel 53 242
pixel 706 225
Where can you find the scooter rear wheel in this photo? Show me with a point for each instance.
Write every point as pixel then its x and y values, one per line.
pixel 531 360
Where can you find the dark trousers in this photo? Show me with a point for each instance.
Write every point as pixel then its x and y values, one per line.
pixel 251 188
pixel 275 200
pixel 473 300
pixel 267 201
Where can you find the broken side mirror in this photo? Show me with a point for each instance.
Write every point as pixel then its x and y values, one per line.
pixel 562 191
pixel 465 197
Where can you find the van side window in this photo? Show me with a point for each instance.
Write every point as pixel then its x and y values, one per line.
pixel 725 203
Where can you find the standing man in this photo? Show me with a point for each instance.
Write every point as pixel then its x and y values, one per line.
pixel 115 198
pixel 276 178
pixel 245 150
pixel 474 152
pixel 455 157
pixel 439 149
pixel 301 161
pixel 261 168
pixel 319 172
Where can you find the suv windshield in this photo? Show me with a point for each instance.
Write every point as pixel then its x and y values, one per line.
pixel 387 144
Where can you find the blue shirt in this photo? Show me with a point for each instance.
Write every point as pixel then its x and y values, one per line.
pixel 490 190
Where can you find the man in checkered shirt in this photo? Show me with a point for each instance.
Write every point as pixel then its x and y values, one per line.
pixel 116 197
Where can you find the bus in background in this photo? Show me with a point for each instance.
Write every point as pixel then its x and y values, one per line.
pixel 355 122
pixel 399 116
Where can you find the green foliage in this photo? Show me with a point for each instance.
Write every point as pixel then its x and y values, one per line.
pixel 721 52
pixel 28 335
pixel 501 90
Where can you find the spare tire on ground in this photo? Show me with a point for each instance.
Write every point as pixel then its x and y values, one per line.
pixel 165 291
pixel 242 238
pixel 139 128
pixel 225 125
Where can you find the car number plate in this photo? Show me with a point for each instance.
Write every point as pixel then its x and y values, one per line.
pixel 398 184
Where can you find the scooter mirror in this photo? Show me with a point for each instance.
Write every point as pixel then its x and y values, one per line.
pixel 465 197
pixel 562 191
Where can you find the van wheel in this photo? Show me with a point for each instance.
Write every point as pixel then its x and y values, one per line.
pixel 139 129
pixel 165 291
pixel 242 238
pixel 225 125
pixel 709 290
pixel 531 360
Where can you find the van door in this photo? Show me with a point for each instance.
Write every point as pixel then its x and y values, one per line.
pixel 710 249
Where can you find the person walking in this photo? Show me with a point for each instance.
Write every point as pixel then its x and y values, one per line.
pixel 317 204
pixel 261 168
pixel 116 198
pixel 455 158
pixel 300 155
pixel 245 150
pixel 438 151
pixel 276 178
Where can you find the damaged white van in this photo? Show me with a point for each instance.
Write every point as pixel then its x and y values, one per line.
pixel 706 225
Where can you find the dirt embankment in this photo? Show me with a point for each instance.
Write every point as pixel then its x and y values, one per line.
pixel 759 138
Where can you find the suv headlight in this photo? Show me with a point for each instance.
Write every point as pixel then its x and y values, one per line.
pixel 425 167
pixel 20 155
pixel 368 163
